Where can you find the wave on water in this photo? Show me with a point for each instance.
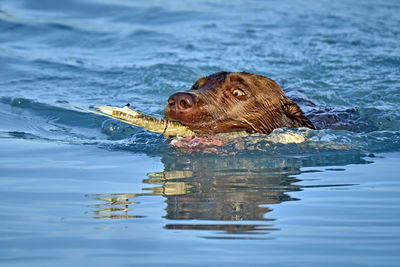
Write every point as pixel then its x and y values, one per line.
pixel 28 119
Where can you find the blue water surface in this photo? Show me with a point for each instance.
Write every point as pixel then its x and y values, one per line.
pixel 79 189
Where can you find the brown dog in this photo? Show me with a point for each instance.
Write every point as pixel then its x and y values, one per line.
pixel 232 101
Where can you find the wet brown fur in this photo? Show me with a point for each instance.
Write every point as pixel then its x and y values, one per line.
pixel 262 108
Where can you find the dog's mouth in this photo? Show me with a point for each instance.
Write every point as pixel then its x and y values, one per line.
pixel 205 124
pixel 199 125
pixel 210 134
pixel 183 117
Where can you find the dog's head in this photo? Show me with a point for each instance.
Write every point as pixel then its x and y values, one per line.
pixel 226 101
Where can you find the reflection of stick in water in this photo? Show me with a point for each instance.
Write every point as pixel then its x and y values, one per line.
pixel 116 206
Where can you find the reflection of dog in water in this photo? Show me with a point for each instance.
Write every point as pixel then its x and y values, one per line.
pixel 206 188
pixel 218 189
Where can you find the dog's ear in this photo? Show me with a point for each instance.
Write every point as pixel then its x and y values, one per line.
pixel 292 110
pixel 200 82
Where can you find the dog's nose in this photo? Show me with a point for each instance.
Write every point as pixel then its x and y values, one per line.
pixel 182 101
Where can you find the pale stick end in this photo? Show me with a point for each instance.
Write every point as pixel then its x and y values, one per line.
pixel 109 110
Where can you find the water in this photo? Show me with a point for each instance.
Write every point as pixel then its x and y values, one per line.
pixel 80 189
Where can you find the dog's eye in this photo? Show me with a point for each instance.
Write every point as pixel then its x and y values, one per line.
pixel 238 92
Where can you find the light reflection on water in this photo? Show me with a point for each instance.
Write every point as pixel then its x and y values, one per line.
pixel 232 194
